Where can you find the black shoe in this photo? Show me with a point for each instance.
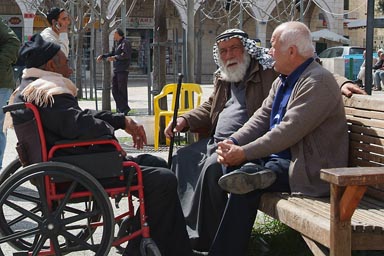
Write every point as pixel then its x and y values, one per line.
pixel 126 111
pixel 246 179
pixel 376 89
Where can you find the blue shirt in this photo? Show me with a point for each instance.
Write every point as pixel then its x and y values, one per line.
pixel 280 102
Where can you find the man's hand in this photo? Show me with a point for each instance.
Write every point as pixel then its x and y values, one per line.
pixel 137 131
pixel 111 59
pixel 350 88
pixel 181 123
pixel 230 154
pixel 99 58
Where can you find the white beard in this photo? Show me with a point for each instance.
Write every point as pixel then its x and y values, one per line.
pixel 237 73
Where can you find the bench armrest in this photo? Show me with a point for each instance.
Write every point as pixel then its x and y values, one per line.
pixel 353 176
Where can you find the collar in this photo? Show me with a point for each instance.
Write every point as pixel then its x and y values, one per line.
pixel 292 78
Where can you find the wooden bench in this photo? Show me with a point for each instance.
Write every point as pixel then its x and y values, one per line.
pixel 352 218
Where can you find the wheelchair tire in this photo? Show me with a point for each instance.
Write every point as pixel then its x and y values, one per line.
pixel 30 222
pixel 148 247
pixel 9 170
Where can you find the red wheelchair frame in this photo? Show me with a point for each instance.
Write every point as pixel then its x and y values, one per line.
pixel 54 193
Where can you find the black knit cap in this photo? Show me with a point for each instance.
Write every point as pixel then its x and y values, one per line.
pixel 37 51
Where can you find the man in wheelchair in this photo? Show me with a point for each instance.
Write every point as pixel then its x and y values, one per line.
pixel 45 83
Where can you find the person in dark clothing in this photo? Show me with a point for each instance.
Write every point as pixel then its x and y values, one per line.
pixel 121 58
pixel 45 83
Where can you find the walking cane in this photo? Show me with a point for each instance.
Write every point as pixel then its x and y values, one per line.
pixel 175 110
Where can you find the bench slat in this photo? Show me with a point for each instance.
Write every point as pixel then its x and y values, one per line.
pixel 364 113
pixel 360 129
pixel 301 219
pixel 353 176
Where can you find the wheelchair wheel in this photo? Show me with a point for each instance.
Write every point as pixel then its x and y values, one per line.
pixel 148 247
pixel 9 170
pixel 29 221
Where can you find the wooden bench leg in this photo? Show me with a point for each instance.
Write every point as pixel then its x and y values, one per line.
pixel 316 248
pixel 340 237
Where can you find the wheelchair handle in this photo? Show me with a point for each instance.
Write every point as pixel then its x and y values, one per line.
pixel 15 106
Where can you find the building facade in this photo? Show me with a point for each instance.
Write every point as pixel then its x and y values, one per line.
pixel 257 18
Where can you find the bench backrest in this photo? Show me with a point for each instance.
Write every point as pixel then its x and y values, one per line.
pixel 365 117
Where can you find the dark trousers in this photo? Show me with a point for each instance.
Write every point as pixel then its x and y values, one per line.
pixel 202 200
pixel 162 206
pixel 120 91
pixel 233 234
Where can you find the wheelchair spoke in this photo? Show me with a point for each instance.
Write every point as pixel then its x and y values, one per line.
pixel 25 212
pixel 81 216
pixel 18 235
pixel 22 217
pixel 65 200
pixel 56 246
pixel 84 245
pixel 39 245
pixel 25 197
pixel 40 185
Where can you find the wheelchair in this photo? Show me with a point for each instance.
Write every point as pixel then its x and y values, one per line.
pixel 56 204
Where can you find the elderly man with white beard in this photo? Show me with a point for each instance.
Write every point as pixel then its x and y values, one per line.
pixel 241 83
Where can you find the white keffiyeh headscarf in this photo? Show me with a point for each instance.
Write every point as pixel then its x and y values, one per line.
pixel 257 52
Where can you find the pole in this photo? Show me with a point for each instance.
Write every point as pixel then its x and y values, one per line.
pixel 175 110
pixel 302 11
pixel 190 42
pixel 369 44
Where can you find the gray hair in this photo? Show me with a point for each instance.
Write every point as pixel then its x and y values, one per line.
pixel 294 33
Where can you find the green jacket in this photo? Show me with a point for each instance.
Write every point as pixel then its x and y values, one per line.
pixel 9 48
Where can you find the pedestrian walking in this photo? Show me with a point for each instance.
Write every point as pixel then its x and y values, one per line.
pixel 121 58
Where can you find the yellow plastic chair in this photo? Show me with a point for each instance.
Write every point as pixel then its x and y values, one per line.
pixel 190 97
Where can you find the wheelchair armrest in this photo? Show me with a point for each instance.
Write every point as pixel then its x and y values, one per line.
pixel 65 144
pixel 102 138
pixel 14 106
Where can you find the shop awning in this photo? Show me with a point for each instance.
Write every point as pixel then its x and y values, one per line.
pixel 360 23
pixel 329 35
